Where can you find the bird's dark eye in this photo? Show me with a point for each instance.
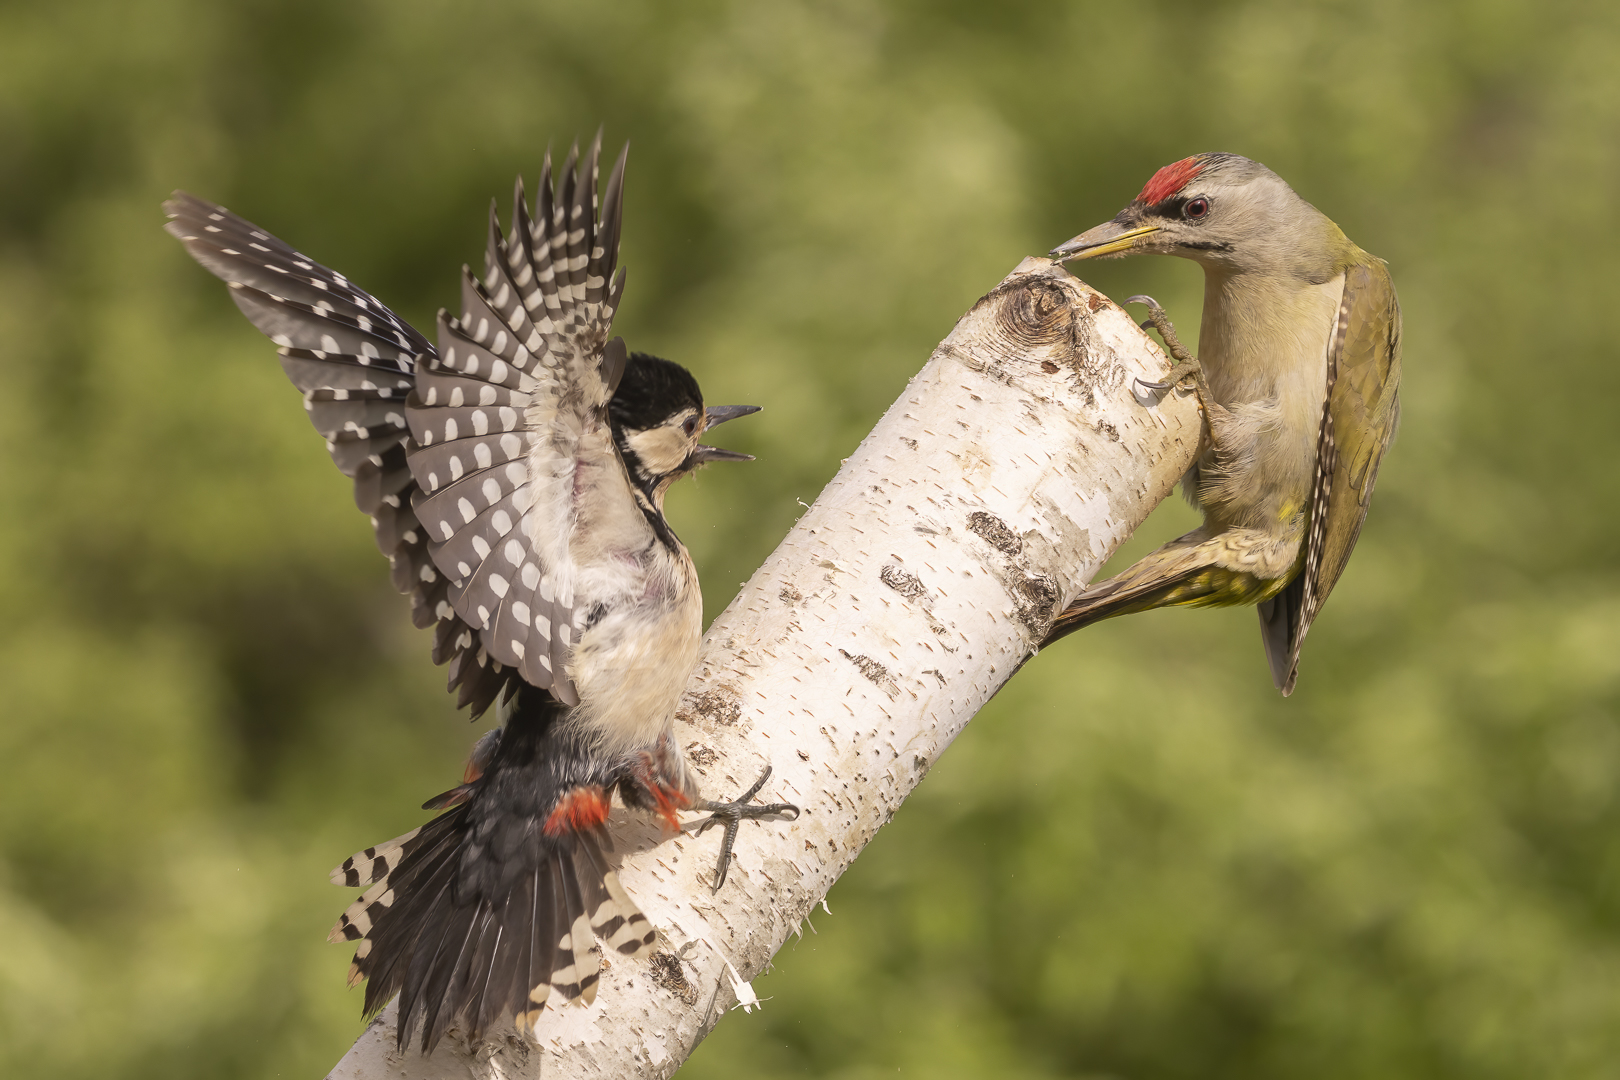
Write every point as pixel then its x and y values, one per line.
pixel 690 427
pixel 1195 208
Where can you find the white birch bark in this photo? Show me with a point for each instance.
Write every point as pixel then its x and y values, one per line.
pixel 1012 466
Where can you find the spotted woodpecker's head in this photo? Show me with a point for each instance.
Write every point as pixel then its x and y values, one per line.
pixel 657 415
pixel 1221 210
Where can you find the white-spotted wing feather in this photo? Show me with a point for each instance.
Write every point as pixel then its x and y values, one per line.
pixel 504 419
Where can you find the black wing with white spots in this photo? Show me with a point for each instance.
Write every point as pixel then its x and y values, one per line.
pixel 464 459
pixel 355 362
pixel 503 413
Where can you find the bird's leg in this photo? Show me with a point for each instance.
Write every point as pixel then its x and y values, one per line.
pixel 1186 363
pixel 1217 420
pixel 732 814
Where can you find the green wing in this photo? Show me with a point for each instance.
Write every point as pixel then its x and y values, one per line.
pixel 1358 422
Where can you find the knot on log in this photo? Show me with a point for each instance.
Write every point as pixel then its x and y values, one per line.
pixel 1036 313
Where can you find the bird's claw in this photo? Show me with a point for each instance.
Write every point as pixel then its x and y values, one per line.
pixel 1187 365
pixel 1177 373
pixel 732 814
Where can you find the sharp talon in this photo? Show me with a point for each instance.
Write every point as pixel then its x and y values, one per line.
pixel 1154 385
pixel 725 852
pixel 1142 298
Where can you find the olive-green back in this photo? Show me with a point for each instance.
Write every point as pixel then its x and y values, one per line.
pixel 1358 422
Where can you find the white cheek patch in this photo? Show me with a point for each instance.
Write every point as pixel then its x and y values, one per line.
pixel 662 449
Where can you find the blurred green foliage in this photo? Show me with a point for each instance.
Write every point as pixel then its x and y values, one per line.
pixel 1138 862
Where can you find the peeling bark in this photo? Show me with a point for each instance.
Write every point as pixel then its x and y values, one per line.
pixel 1012 466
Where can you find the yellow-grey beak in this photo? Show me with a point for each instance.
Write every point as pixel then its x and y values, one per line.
pixel 1109 238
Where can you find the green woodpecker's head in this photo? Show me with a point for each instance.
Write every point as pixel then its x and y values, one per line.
pixel 1218 209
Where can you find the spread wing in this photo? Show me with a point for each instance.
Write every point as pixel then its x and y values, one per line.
pixel 1359 418
pixel 357 363
pixel 502 417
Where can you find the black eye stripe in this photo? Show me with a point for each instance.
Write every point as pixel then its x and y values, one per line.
pixel 1176 206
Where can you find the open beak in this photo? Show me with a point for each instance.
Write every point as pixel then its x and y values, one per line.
pixel 1109 238
pixel 719 414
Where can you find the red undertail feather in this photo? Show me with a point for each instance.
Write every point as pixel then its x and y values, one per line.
pixel 1169 180
pixel 580 810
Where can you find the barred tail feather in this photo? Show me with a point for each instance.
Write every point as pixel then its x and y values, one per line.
pixel 469 960
pixel 614 916
pixel 374 863
pixel 578 966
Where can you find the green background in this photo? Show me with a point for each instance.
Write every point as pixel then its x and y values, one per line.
pixel 1139 861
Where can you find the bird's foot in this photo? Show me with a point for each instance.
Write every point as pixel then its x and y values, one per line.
pixel 1187 365
pixel 1177 373
pixel 1158 320
pixel 732 814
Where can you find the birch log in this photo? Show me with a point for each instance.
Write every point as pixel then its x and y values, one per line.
pixel 1012 466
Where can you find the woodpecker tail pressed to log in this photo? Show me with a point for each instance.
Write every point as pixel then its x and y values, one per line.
pixel 516 479
pixel 1298 367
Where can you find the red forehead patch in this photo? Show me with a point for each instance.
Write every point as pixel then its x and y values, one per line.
pixel 1169 180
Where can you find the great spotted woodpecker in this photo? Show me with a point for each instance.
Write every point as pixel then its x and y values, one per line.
pixel 516 477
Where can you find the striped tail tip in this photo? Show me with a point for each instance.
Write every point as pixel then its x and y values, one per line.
pixel 465 937
pixel 617 920
pixel 579 963
pixel 374 863
pixel 356 922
